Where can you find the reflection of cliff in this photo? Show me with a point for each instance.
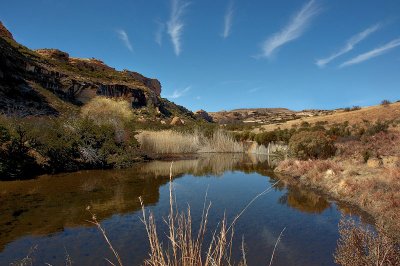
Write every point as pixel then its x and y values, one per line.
pixel 305 201
pixel 51 203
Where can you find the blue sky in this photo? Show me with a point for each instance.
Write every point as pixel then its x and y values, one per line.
pixel 226 54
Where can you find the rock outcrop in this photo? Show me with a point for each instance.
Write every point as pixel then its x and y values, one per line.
pixel 203 115
pixel 176 121
pixel 4 32
pixel 74 80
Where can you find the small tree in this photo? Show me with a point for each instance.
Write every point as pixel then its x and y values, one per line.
pixel 385 102
pixel 311 145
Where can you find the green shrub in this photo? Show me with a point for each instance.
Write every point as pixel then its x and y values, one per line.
pixel 265 137
pixel 304 124
pixel 385 102
pixel 16 162
pixel 340 130
pixel 311 145
pixel 379 126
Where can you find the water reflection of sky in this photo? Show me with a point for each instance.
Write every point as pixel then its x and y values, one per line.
pixel 53 212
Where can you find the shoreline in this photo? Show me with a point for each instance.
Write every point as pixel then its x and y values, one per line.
pixel 335 184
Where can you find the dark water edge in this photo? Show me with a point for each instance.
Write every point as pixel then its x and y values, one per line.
pixel 49 212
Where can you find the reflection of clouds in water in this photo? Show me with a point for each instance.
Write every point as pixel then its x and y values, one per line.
pixel 270 239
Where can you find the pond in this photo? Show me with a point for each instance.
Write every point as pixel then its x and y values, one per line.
pixel 47 217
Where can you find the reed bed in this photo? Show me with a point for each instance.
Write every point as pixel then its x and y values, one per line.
pixel 169 142
pixel 173 142
pixel 221 142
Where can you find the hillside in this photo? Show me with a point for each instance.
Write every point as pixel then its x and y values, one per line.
pixel 263 116
pixel 371 113
pixel 27 77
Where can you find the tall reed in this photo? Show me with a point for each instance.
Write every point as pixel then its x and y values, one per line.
pixel 169 142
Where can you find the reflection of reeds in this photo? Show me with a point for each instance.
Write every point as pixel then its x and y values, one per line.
pixel 208 164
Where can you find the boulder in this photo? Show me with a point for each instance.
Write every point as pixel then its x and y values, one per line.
pixel 390 161
pixel 176 121
pixel 374 163
pixel 203 115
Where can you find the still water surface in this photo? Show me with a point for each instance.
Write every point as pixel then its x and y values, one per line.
pixel 48 213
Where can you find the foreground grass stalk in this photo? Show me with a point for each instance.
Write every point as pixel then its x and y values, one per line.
pixel 102 230
pixel 185 249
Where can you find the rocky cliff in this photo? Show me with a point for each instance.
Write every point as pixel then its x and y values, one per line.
pixel 74 80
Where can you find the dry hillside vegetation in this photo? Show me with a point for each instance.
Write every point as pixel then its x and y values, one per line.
pixel 373 113
pixel 363 172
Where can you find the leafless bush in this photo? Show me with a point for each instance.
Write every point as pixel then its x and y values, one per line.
pixel 359 245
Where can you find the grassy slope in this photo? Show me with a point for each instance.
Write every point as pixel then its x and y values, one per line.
pixel 371 113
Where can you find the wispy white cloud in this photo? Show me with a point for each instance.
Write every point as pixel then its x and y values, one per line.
pixel 254 89
pixel 175 25
pixel 228 20
pixel 158 36
pixel 123 36
pixel 373 53
pixel 350 44
pixel 293 30
pixel 179 93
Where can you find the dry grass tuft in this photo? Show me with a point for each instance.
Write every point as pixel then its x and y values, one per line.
pixel 358 245
pixel 107 110
pixel 313 169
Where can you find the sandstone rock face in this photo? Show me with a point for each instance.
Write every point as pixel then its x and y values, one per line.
pixel 203 115
pixel 153 84
pixel 176 121
pixel 4 32
pixel 24 73
pixel 53 54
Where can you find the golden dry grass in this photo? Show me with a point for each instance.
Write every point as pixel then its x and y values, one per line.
pixel 172 142
pixel 168 142
pixel 359 245
pixel 372 113
pixel 105 110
